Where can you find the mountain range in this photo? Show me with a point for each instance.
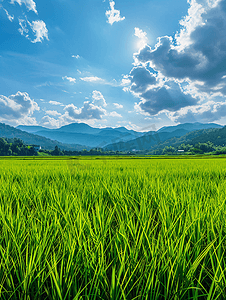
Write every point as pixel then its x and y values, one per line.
pixel 79 136
pixel 33 139
pixel 80 133
pixel 114 138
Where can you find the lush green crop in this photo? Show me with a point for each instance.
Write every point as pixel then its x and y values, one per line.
pixel 113 229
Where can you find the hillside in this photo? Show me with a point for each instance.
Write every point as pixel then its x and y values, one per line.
pixel 154 141
pixel 83 134
pixel 190 127
pixel 29 138
pixel 215 136
pixel 166 136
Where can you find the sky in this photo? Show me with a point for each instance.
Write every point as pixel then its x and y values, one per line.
pixel 138 64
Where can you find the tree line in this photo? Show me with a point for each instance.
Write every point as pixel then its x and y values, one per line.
pixel 16 147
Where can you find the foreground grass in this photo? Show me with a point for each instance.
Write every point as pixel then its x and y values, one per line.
pixel 113 229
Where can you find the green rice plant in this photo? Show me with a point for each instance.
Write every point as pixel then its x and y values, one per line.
pixel 112 228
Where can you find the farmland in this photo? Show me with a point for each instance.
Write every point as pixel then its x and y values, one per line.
pixel 112 228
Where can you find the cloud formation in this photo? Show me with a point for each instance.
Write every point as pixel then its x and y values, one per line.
pixel 56 103
pixel 118 106
pixel 87 112
pixel 142 35
pixel 17 108
pixel 10 18
pixel 141 79
pixel 184 76
pixel 72 80
pixel 209 112
pixel 98 99
pixel 113 14
pixel 169 97
pixel 30 4
pixel 52 113
pixel 39 30
pixel 199 53
pixel 36 28
pixel 93 79
pixel 114 114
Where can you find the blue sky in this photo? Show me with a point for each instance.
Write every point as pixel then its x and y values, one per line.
pixel 139 64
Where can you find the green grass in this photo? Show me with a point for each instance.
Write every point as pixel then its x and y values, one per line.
pixel 112 229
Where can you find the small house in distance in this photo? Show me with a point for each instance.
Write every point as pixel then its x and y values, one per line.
pixel 36 147
pixel 181 151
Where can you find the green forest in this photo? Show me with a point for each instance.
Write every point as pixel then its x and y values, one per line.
pixel 16 147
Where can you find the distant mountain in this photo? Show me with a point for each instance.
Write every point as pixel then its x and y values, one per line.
pixel 215 136
pixel 29 138
pixel 31 129
pixel 167 138
pixel 188 138
pixel 189 127
pixel 78 128
pixel 80 133
pixel 146 141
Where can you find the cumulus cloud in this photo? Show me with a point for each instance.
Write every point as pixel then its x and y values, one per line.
pixel 38 28
pixel 113 14
pixel 91 110
pixel 98 99
pixel 87 112
pixel 199 53
pixel 30 4
pixel 73 80
pixel 56 103
pixel 93 79
pixel 114 114
pixel 142 35
pixel 52 122
pixel 181 74
pixel 141 79
pixel 208 112
pixel 75 56
pixel 17 108
pixel 117 105
pixel 169 97
pixel 40 31
pixel 52 113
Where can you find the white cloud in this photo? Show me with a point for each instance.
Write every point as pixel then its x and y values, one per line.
pixel 56 103
pixel 52 113
pixel 94 79
pixel 75 56
pixel 87 112
pixel 113 14
pixel 30 4
pixel 207 112
pixel 98 99
pixel 38 28
pixel 114 114
pixel 182 73
pixel 199 52
pixel 118 105
pixel 73 80
pixel 11 18
pixel 52 123
pixel 40 31
pixel 18 108
pixel 142 35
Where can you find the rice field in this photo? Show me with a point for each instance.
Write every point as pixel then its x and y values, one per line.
pixel 112 229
